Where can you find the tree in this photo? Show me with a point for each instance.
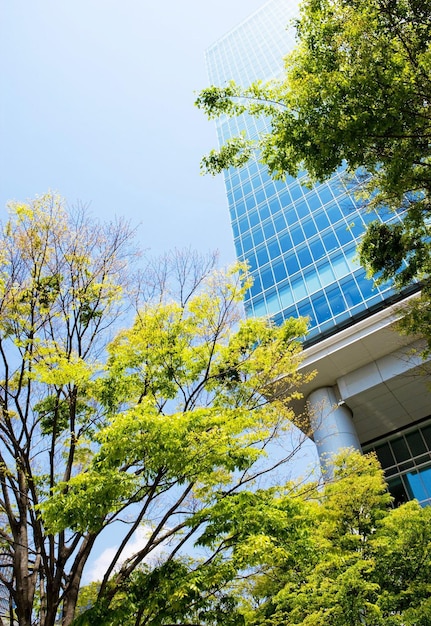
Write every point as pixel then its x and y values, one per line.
pixel 356 91
pixel 187 422
pixel 347 558
pixel 60 292
pixel 150 428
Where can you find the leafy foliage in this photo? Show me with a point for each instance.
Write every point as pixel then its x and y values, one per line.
pixel 166 594
pixel 360 561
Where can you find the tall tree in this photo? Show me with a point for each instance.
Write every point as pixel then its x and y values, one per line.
pixel 149 430
pixel 356 91
pixel 61 278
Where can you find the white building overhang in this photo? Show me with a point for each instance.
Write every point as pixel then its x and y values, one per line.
pixel 376 372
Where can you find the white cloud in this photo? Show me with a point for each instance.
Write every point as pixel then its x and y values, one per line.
pixel 98 567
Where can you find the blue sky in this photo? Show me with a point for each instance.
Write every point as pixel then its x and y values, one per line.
pixel 96 103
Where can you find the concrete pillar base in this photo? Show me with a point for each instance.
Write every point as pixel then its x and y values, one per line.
pixel 332 425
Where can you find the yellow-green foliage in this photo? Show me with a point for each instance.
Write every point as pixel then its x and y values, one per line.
pixel 185 391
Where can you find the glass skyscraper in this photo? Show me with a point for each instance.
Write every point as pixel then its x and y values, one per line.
pixel 300 244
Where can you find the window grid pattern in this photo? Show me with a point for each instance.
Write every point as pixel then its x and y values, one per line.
pixel 406 460
pixel 299 242
pixel 254 49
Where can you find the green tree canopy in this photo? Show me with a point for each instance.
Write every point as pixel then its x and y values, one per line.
pixel 356 92
pixel 151 428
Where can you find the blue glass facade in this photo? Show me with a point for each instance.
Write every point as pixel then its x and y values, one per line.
pixel 300 243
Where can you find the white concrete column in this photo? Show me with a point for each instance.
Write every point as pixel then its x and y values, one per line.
pixel 332 424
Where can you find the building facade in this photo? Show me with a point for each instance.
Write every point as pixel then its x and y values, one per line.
pixel 300 244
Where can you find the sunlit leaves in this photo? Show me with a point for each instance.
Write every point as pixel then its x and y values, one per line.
pixel 166 594
pixel 235 152
pixel 185 391
pixel 355 560
pixel 87 499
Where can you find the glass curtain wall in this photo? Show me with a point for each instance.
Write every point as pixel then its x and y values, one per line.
pixel 406 459
pixel 299 243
